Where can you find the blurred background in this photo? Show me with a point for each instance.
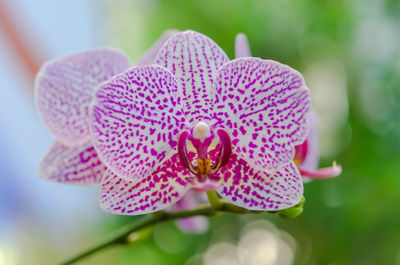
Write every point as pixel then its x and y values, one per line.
pixel 349 53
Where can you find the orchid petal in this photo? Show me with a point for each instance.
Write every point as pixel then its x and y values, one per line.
pixel 196 224
pixel 249 188
pixel 242 48
pixel 194 59
pixel 151 53
pixel 136 119
pixel 263 105
pixel 161 189
pixel 322 173
pixel 74 165
pixel 64 89
pixel 311 159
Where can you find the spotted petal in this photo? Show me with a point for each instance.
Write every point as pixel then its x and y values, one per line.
pixel 162 188
pixel 252 189
pixel 263 105
pixel 194 59
pixel 74 165
pixel 64 89
pixel 136 119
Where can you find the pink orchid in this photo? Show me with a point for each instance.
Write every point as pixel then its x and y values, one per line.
pixel 197 118
pixel 64 90
pixel 307 154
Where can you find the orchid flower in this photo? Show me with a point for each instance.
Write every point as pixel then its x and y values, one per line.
pixel 64 90
pixel 307 154
pixel 197 118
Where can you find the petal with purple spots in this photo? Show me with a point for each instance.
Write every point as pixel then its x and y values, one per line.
pixel 64 90
pixel 249 188
pixel 263 105
pixel 194 59
pixel 73 165
pixel 136 118
pixel 162 188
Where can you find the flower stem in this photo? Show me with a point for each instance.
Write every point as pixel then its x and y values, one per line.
pixel 214 200
pixel 122 235
pixel 118 237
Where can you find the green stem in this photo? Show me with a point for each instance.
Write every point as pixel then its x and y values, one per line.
pixel 214 200
pixel 121 236
pixel 118 237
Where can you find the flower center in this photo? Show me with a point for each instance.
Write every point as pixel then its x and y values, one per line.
pixel 201 137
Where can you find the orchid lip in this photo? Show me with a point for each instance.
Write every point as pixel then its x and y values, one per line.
pixel 201 138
